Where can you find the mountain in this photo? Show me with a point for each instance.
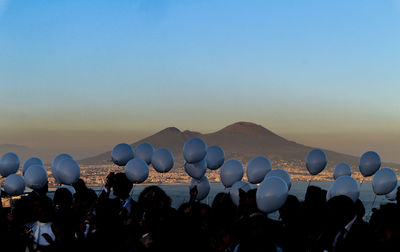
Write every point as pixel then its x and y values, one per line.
pixel 242 141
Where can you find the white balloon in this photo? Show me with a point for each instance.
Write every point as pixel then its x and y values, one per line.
pixel 144 151
pixel 231 171
pixel 341 169
pixel 31 161
pixel 36 177
pixel 136 170
pixel 55 162
pixel 68 171
pixel 162 160
pixel 384 181
pixel 369 163
pixel 14 185
pixel 215 157
pixel 271 194
pixel 316 161
pixel 281 174
pixel 9 164
pixel 234 192
pixel 121 154
pixel 257 168
pixel 393 194
pixel 194 150
pixel 196 170
pixel 203 187
pixel 344 185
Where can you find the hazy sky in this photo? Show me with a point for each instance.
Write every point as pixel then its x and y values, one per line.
pixel 88 74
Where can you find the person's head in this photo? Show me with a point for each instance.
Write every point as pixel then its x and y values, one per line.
pixel 79 186
pixel 248 203
pixel 313 195
pixel 121 186
pixel 43 191
pixel 341 210
pixel 153 197
pixel 290 209
pixel 222 203
pixel 84 197
pixel 62 198
pixel 43 208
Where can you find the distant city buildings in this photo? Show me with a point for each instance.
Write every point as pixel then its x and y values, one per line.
pixel 94 175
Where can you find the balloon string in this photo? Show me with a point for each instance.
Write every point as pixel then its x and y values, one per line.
pixel 133 189
pixel 373 202
pixel 102 187
pixel 160 182
pixel 309 181
pixel 372 206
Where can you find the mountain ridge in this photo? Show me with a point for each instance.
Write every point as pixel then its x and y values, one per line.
pixel 240 140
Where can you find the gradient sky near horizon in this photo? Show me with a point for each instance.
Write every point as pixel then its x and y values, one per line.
pixel 86 75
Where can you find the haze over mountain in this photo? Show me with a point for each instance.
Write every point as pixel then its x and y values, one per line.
pixel 22 151
pixel 242 141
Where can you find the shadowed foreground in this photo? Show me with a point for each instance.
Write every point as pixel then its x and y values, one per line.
pixel 84 221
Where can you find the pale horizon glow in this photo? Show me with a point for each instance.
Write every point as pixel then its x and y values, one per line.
pixel 80 77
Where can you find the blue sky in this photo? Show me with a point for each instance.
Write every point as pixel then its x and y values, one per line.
pixel 312 71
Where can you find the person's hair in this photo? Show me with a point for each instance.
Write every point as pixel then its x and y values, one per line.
pixel 62 197
pixel 155 196
pixel 121 185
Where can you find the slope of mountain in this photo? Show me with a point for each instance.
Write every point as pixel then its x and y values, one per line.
pixel 241 140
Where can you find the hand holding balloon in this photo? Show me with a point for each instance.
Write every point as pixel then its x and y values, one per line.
pixel 202 187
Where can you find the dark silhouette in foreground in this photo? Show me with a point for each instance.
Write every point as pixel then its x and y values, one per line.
pixel 113 221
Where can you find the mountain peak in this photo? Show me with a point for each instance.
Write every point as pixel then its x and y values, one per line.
pixel 245 128
pixel 169 130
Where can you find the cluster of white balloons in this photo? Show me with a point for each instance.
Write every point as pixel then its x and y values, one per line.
pixel 198 157
pixel 273 188
pixel 13 184
pixel 384 180
pixel 65 170
pixel 274 184
pixel 137 161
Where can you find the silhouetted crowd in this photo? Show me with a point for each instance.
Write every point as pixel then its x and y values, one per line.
pixel 84 221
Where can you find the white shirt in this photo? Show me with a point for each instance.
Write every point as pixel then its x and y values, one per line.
pixel 40 228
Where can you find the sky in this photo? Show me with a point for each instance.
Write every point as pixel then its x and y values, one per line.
pixel 85 75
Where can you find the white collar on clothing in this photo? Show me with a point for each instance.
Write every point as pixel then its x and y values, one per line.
pixel 348 226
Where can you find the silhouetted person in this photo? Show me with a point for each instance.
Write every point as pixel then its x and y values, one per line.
pixel 293 237
pixel 345 230
pixel 113 214
pixel 158 219
pixel 385 228
pixel 64 221
pixel 42 235
pixel 313 211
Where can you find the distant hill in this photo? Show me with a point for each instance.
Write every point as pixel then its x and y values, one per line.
pixel 242 141
pixel 22 151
